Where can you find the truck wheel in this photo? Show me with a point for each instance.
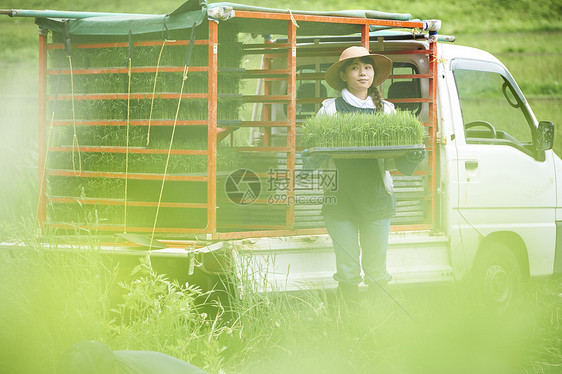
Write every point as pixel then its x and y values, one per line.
pixel 496 279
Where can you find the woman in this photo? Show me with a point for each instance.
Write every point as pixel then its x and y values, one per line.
pixel 364 200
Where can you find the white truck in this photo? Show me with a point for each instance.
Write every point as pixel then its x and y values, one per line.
pixel 498 215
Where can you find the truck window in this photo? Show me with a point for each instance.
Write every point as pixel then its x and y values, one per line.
pixel 404 88
pixel 312 89
pixel 490 109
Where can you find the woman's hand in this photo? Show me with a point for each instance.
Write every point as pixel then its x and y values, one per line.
pixel 312 161
pixel 408 164
pixel 416 155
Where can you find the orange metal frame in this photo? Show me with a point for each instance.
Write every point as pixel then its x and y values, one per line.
pixel 214 134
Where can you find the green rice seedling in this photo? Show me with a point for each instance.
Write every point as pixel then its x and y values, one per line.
pixel 228 159
pixel 356 130
pixel 164 109
pixel 103 188
pixel 86 214
pixel 140 83
pixel 230 54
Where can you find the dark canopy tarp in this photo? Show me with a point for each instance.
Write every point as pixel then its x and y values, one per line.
pixel 184 17
pixel 195 12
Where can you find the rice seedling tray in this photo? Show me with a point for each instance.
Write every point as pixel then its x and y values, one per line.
pixel 390 151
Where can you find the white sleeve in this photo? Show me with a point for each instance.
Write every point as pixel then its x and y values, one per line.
pixel 328 108
pixel 388 107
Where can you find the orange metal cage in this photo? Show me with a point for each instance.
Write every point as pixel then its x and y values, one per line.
pixel 215 133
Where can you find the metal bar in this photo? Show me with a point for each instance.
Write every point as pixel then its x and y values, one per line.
pixel 266 233
pixel 417 172
pixel 161 69
pixel 365 36
pixel 254 226
pixel 311 76
pixel 416 100
pixel 276 78
pixel 410 76
pixel 328 19
pixel 126 44
pixel 321 76
pixel 212 129
pixel 139 176
pixel 433 129
pixel 410 52
pixel 267 45
pixel 132 123
pixel 119 202
pixel 320 99
pixel 298 232
pixel 415 227
pixel 346 39
pixel 267 90
pixel 264 149
pixel 311 52
pixel 124 96
pixel 265 98
pixel 263 124
pixel 130 150
pixel 119 228
pixel 334 51
pixel 62 14
pixel 291 117
pixel 42 124
pixel 260 73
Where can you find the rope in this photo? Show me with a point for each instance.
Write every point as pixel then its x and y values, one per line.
pixel 184 78
pixel 127 145
pixel 43 175
pixel 75 143
pixel 293 20
pixel 154 91
pixel 185 70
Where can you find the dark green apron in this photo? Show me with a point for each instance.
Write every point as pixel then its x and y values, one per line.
pixel 360 193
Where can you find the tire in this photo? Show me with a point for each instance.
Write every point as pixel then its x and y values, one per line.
pixel 496 279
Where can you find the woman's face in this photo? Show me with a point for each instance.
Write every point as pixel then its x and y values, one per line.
pixel 358 75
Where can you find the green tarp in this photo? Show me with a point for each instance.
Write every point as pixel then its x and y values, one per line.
pixel 184 17
pixel 195 12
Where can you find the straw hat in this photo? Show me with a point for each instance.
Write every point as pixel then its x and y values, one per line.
pixel 382 65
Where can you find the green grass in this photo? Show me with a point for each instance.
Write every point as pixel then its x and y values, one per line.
pixel 52 300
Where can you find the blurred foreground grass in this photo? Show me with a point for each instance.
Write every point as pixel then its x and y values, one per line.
pixel 52 300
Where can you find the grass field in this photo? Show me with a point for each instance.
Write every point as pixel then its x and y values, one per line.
pixel 51 301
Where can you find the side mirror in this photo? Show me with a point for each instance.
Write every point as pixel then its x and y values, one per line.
pixel 545 136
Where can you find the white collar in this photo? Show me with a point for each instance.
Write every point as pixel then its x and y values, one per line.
pixel 355 101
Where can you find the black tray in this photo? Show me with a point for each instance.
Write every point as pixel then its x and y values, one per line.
pixel 392 151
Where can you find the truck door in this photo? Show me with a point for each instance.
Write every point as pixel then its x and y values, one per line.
pixel 504 184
